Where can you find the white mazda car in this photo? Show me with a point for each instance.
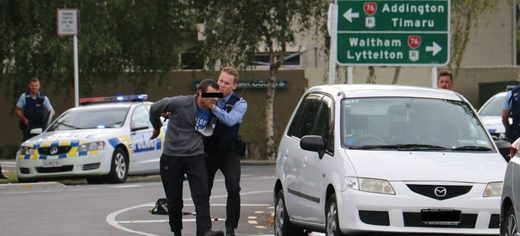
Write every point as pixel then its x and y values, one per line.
pixel 103 142
pixel 383 158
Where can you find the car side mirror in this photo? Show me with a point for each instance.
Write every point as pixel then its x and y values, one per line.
pixel 313 143
pixel 36 131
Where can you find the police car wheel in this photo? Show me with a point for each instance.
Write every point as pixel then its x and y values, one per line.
pixel 119 168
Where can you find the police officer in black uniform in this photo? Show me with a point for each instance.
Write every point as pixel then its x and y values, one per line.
pixel 224 147
pixel 33 108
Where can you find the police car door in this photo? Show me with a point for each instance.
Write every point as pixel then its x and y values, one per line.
pixel 146 152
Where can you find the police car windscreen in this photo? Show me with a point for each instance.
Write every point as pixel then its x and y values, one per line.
pixel 90 119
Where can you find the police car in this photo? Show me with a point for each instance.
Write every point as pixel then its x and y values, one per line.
pixel 491 115
pixel 103 140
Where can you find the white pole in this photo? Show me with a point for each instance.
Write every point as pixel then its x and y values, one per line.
pixel 76 72
pixel 350 75
pixel 434 77
pixel 333 47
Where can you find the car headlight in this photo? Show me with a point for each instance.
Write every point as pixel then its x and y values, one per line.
pixel 26 150
pixel 370 185
pixel 493 189
pixel 94 146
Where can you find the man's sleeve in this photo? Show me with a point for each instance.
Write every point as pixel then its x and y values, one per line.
pixel 21 101
pixel 47 104
pixel 507 105
pixel 158 108
pixel 234 116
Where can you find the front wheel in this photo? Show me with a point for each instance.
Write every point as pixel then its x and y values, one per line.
pixel 282 225
pixel 119 167
pixel 509 227
pixel 332 224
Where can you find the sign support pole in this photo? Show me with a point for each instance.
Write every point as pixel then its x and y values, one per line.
pixel 76 71
pixel 350 75
pixel 434 77
pixel 67 23
pixel 333 47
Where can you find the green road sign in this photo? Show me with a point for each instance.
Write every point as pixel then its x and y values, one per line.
pixel 393 32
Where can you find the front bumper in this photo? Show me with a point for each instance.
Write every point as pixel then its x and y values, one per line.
pixel 363 211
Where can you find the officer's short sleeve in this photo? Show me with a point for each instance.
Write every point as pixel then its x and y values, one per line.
pixel 506 105
pixel 47 104
pixel 21 101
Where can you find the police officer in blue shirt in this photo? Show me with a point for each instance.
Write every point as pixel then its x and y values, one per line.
pixel 223 147
pixel 33 108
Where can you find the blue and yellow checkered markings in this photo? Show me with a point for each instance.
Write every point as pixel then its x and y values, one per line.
pixel 73 152
pixel 114 141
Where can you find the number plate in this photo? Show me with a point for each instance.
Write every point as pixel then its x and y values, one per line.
pixel 440 217
pixel 52 163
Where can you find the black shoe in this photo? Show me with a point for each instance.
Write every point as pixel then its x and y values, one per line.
pixel 230 232
pixel 213 233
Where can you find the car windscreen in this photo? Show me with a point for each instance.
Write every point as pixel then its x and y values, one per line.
pixel 90 119
pixel 493 107
pixel 411 124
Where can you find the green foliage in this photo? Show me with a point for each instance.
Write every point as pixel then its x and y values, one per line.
pixel 236 29
pixel 116 36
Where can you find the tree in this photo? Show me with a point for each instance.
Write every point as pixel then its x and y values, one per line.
pixel 115 37
pixel 235 30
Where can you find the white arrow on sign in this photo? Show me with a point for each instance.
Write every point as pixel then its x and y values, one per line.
pixel 349 15
pixel 435 48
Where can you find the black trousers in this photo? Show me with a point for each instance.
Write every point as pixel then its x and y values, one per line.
pixel 172 171
pixel 229 164
pixel 513 134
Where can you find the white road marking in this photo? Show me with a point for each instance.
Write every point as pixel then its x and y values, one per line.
pixel 111 218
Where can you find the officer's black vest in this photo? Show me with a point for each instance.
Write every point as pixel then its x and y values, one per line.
pixel 224 138
pixel 34 111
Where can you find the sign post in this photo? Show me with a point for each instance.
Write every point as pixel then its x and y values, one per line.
pixel 393 32
pixel 68 25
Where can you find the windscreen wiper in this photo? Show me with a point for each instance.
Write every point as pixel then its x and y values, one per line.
pixel 471 148
pixel 402 147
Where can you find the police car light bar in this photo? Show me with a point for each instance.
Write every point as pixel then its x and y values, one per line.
pixel 125 98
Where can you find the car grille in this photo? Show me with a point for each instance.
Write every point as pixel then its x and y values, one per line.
pixel 54 169
pixel 60 150
pixel 92 166
pixel 439 192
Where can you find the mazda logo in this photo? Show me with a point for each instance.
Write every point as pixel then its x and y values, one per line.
pixel 440 191
pixel 53 150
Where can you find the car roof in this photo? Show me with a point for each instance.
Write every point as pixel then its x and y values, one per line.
pixel 371 90
pixel 102 106
pixel 500 94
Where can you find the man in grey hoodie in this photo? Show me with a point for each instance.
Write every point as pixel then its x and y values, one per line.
pixel 183 153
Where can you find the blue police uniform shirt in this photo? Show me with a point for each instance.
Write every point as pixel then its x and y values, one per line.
pixel 506 104
pixel 46 103
pixel 234 116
